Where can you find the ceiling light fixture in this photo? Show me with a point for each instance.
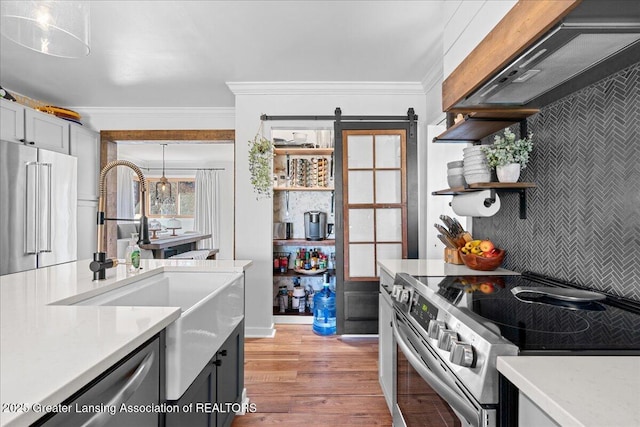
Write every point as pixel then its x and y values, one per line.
pixel 163 184
pixel 57 28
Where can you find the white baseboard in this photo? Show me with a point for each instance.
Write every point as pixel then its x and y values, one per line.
pixel 244 403
pixel 293 320
pixel 250 332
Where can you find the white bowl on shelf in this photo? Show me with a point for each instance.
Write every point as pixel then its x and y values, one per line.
pixel 473 178
pixel 456 181
pixel 455 171
pixel 472 150
pixel 476 164
pixel 476 168
pixel 474 156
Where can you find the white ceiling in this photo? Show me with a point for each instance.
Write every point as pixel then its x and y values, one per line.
pixel 182 53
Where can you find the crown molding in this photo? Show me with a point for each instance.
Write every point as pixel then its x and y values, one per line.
pixel 159 112
pixel 431 79
pixel 326 88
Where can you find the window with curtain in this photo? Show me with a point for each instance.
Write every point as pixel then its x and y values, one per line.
pixel 183 195
pixel 207 207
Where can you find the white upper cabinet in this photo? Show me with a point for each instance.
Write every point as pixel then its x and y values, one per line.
pixel 11 121
pixel 85 145
pixel 46 131
pixel 22 124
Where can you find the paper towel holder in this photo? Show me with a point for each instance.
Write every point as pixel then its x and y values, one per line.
pixel 520 190
pixel 491 199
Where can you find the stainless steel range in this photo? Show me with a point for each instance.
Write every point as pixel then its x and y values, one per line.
pixel 450 330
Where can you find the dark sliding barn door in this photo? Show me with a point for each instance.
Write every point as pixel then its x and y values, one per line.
pixel 376 208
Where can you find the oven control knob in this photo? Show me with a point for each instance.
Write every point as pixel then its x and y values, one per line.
pixel 461 353
pixel 395 291
pixel 434 328
pixel 405 296
pixel 445 337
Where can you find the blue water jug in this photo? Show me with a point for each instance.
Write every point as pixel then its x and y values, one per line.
pixel 324 312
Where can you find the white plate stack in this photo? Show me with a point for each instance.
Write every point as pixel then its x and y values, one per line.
pixel 455 174
pixel 476 169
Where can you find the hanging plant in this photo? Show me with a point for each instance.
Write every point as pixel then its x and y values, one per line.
pixel 260 161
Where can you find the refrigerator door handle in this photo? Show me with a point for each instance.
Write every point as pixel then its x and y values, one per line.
pixel 31 217
pixel 45 207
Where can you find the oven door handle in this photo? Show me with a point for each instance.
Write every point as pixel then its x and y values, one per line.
pixel 458 403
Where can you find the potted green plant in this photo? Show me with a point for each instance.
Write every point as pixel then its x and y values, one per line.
pixel 508 155
pixel 260 161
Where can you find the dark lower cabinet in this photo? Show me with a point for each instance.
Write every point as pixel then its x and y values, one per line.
pixel 199 392
pixel 217 391
pixel 230 376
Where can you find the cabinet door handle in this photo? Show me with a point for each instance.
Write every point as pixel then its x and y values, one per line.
pixel 132 385
pixel 218 362
pixel 222 352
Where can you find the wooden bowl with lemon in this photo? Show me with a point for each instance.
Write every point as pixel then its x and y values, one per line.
pixel 481 255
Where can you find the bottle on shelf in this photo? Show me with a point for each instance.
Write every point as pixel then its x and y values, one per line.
pixel 324 310
pixel 282 298
pixel 284 264
pixel 298 298
pixel 132 255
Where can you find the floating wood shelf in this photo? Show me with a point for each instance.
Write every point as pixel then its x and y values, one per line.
pixel 513 187
pixel 303 188
pixel 303 242
pixel 480 124
pixel 507 186
pixel 297 151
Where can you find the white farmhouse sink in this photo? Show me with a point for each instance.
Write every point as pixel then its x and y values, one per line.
pixel 212 305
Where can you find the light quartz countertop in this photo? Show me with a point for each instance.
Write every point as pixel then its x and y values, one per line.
pixel 50 349
pixel 579 390
pixel 435 268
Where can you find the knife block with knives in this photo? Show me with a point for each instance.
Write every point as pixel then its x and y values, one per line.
pixel 453 237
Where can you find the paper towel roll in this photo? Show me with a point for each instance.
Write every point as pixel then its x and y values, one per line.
pixel 472 204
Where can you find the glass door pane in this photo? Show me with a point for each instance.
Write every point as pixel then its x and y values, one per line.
pixel 375 200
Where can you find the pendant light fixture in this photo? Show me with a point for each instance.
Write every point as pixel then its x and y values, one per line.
pixel 53 27
pixel 163 185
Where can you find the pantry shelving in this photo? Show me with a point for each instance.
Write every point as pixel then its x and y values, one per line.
pixel 303 181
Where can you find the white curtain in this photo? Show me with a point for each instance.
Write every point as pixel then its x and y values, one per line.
pixel 207 210
pixel 126 198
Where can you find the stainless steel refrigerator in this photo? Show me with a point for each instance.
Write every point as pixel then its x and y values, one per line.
pixel 38 208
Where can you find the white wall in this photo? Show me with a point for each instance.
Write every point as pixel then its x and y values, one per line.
pixel 112 118
pixel 254 217
pixel 467 22
pixel 438 155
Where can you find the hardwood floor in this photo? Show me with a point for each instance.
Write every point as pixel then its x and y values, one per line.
pixel 299 378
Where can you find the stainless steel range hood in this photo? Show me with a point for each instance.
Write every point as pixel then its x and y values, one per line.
pixel 595 40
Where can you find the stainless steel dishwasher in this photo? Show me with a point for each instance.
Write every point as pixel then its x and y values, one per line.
pixel 133 382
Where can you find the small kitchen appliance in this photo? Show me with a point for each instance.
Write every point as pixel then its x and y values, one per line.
pixel 279 230
pixel 450 330
pixel 315 225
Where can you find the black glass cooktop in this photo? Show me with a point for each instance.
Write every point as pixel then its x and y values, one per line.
pixel 539 323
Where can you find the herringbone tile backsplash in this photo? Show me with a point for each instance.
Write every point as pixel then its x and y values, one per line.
pixel 583 219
